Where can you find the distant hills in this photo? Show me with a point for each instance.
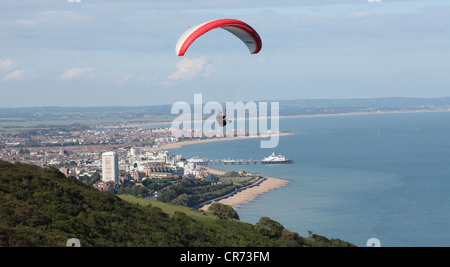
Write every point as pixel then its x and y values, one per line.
pixel 288 107
pixel 42 207
pixel 390 102
pixel 14 120
pixel 337 106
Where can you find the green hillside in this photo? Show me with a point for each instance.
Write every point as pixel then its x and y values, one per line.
pixel 41 207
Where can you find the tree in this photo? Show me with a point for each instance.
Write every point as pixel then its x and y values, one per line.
pixel 223 211
pixel 95 177
pixel 111 190
pixel 292 239
pixel 140 191
pixel 183 200
pixel 89 179
pixel 269 227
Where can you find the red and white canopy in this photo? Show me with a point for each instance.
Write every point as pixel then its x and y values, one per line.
pixel 239 28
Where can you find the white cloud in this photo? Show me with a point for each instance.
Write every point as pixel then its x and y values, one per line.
pixel 77 73
pixel 125 78
pixel 189 69
pixel 6 65
pixel 89 74
pixel 20 75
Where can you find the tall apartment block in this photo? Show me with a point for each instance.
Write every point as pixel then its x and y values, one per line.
pixel 110 167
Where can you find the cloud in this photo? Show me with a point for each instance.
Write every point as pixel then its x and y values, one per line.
pixel 20 75
pixel 77 73
pixel 125 78
pixel 89 74
pixel 6 65
pixel 189 69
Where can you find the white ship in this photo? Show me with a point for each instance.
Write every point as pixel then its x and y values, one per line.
pixel 276 159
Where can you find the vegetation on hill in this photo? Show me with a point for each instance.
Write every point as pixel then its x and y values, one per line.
pixel 190 192
pixel 223 211
pixel 42 207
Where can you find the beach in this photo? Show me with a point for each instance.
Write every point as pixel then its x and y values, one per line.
pixel 264 185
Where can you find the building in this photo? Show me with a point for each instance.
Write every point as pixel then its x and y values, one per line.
pixel 198 161
pixel 110 167
pixel 103 186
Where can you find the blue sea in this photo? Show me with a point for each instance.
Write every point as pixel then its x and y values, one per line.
pixel 355 177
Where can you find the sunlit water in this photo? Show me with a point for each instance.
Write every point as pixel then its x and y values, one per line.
pixel 355 177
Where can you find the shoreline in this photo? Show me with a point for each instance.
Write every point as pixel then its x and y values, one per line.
pixel 318 115
pixel 245 195
pixel 267 184
pixel 194 142
pixel 248 194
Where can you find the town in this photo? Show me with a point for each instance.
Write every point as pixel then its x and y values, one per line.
pixel 108 157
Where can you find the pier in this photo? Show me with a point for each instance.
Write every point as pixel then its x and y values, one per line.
pixel 228 161
pixel 272 159
pixel 234 161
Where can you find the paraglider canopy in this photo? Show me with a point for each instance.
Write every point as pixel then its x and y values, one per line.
pixel 239 28
pixel 232 63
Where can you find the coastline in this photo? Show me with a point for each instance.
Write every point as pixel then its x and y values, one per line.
pixel 264 185
pixel 250 193
pixel 235 199
pixel 319 115
pixel 194 142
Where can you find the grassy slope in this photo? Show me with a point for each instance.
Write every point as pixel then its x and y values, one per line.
pixel 42 207
pixel 170 209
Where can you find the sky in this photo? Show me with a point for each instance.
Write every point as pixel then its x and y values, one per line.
pixel 122 53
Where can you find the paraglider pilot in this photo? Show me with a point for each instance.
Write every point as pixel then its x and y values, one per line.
pixel 221 119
